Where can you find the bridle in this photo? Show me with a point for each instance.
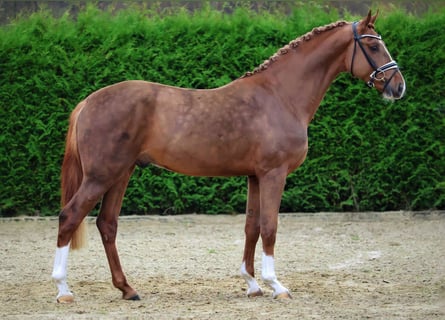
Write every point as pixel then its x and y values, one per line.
pixel 379 72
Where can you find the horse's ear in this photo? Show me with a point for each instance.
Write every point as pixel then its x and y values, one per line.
pixel 368 18
pixel 374 18
pixel 365 22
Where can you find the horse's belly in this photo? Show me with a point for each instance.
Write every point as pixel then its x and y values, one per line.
pixel 209 167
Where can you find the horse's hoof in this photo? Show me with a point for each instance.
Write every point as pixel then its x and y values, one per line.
pixel 65 299
pixel 283 295
pixel 258 293
pixel 134 298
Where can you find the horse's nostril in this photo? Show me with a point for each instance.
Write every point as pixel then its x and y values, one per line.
pixel 400 88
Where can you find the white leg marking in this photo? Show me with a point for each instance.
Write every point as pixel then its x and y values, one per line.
pixel 253 287
pixel 269 277
pixel 59 271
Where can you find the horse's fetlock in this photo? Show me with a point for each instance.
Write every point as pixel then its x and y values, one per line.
pixel 58 275
pixel 120 283
pixel 269 278
pixel 245 273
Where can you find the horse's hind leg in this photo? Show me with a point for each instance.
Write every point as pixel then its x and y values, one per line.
pixel 252 231
pixel 107 225
pixel 71 216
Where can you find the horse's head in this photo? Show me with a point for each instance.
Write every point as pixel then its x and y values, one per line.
pixel 372 62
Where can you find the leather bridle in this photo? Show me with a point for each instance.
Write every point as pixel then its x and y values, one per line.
pixel 379 72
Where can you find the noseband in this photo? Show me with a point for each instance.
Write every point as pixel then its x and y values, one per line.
pixel 379 72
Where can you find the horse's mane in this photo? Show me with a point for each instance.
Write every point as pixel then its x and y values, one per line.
pixel 293 45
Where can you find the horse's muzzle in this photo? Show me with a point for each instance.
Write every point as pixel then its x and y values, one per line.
pixel 395 90
pixel 394 87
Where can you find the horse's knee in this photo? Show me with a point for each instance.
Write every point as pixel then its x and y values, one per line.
pixel 252 232
pixel 268 235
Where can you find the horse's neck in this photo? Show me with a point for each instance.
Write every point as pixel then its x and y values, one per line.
pixel 301 78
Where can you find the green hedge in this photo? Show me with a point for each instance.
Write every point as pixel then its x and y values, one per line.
pixel 365 154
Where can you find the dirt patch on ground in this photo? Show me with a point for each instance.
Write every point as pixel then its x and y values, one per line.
pixel 337 266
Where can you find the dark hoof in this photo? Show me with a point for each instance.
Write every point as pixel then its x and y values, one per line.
pixel 134 298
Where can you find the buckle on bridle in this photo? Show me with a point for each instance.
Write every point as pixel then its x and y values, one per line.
pixel 374 76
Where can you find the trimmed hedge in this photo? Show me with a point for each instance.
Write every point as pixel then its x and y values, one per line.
pixel 365 153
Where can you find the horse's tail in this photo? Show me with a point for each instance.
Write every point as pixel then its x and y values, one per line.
pixel 72 175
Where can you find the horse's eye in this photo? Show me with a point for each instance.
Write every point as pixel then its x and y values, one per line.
pixel 374 48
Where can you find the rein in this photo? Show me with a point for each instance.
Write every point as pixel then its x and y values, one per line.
pixel 379 72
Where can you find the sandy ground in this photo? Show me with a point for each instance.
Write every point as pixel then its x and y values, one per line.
pixel 338 266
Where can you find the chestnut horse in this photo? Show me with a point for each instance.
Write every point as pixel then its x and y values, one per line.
pixel 255 126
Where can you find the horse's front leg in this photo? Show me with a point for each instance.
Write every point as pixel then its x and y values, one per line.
pixel 271 190
pixel 252 231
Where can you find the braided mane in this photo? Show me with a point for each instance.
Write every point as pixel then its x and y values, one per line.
pixel 293 45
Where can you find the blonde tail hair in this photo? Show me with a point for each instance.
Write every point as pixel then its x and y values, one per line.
pixel 71 176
